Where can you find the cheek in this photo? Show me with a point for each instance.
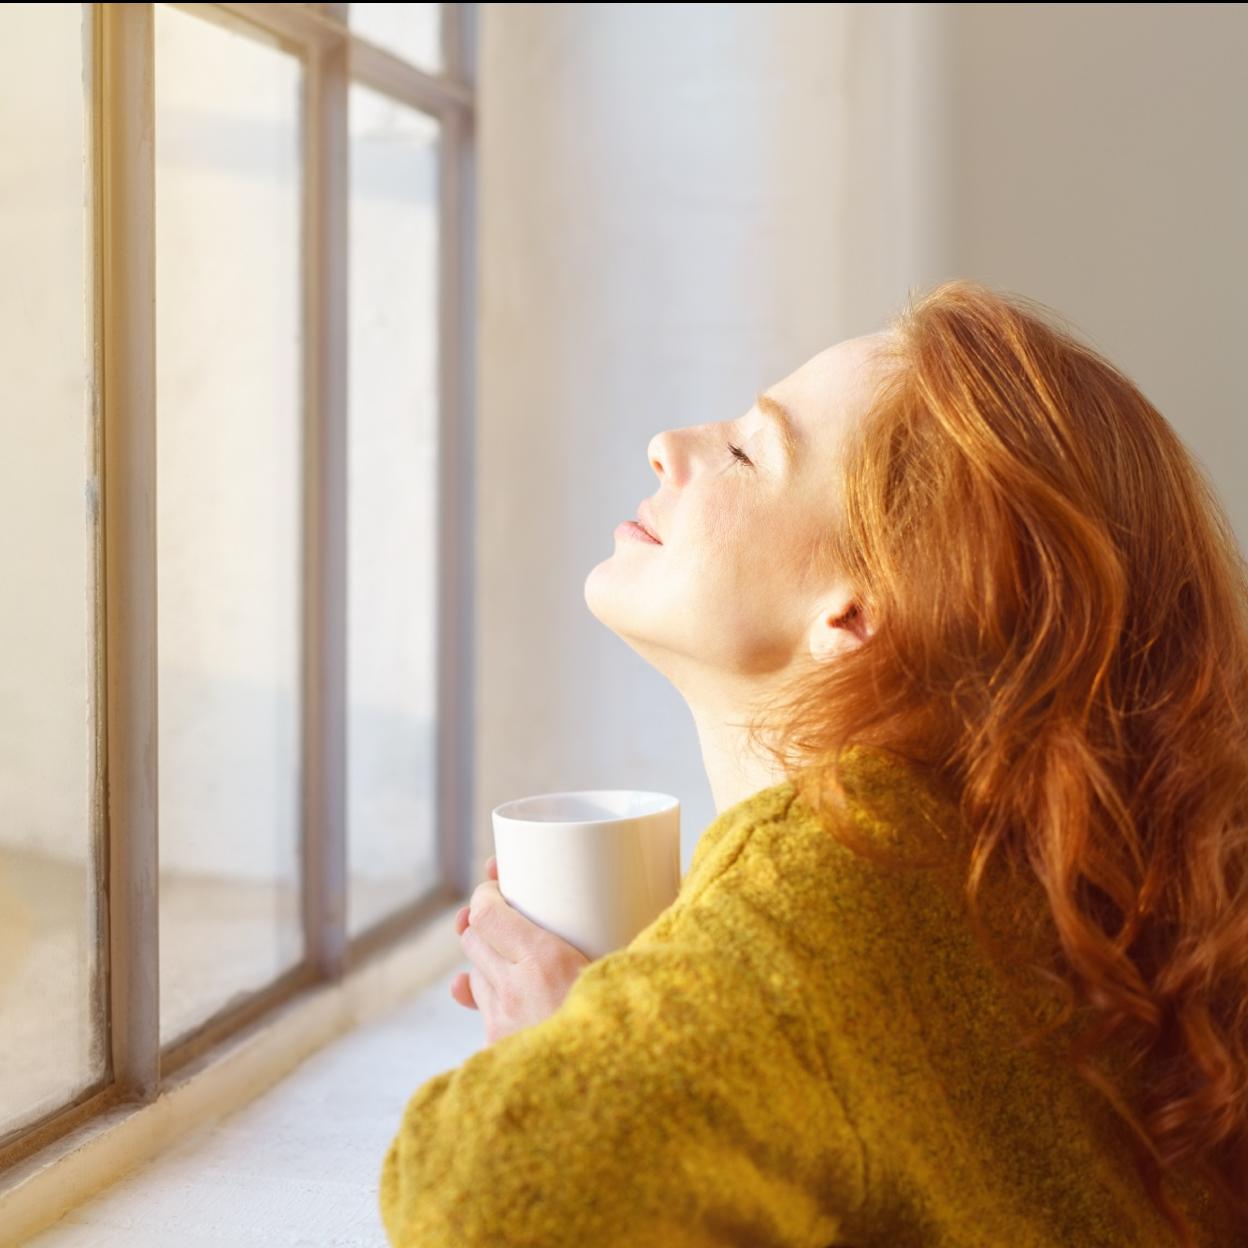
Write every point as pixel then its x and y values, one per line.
pixel 741 542
pixel 719 544
pixel 752 575
pixel 730 572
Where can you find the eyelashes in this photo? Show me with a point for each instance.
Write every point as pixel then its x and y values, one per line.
pixel 739 454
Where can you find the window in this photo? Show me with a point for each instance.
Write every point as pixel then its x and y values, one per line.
pixel 407 30
pixel 52 1018
pixel 392 522
pixel 229 445
pixel 236 370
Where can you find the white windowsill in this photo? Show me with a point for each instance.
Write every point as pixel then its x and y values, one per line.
pixel 300 1164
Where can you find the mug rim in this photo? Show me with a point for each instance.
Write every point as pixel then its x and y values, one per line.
pixel 669 802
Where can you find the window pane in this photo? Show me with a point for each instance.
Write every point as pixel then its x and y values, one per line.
pixel 229 447
pixel 392 500
pixel 412 31
pixel 52 1042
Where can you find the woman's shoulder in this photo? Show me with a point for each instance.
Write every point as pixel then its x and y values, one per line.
pixel 890 800
pixel 805 879
pixel 887 803
pixel 884 817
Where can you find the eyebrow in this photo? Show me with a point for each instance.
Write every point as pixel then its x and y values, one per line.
pixel 782 422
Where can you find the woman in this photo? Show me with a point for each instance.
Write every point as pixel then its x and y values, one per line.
pixel 963 958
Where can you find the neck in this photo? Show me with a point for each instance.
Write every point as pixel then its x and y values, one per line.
pixel 734 769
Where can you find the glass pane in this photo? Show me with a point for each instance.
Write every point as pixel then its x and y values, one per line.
pixel 51 1010
pixel 392 519
pixel 412 31
pixel 229 476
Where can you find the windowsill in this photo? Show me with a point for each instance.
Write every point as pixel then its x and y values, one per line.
pixel 302 1162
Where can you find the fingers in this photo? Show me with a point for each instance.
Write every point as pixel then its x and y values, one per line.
pixel 461 991
pixel 506 930
pixel 483 993
pixel 484 955
pixel 461 985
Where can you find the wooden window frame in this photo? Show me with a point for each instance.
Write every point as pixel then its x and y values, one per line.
pixel 341 980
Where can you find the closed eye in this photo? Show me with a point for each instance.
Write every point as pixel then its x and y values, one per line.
pixel 739 454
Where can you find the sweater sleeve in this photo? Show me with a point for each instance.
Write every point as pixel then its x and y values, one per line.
pixel 676 1097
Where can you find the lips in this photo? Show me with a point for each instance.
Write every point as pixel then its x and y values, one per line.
pixel 644 521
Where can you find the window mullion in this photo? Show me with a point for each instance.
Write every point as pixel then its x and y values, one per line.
pixel 325 528
pixel 128 293
pixel 457 850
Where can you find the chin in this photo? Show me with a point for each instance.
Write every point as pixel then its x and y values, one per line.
pixel 610 604
pixel 595 598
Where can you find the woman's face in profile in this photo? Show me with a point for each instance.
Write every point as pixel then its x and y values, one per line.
pixel 730 587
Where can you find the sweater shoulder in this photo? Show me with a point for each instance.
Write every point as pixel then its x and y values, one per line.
pixel 786 891
pixel 886 828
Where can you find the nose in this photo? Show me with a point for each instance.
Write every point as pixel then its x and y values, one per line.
pixel 660 452
pixel 677 454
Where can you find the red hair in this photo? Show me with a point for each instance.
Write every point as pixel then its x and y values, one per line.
pixel 1060 635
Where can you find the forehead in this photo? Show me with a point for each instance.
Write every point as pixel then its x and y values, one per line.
pixel 833 387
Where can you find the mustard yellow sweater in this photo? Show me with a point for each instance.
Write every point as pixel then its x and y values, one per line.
pixel 804 1049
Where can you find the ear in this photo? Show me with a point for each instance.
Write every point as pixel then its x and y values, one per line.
pixel 840 626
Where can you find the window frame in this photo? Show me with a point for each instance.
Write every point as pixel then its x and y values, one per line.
pixel 121 173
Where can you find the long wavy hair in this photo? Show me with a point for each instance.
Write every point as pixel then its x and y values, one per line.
pixel 1059 613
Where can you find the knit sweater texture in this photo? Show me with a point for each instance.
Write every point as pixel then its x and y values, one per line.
pixel 807 1048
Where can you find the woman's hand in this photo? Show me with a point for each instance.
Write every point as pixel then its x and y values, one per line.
pixel 521 972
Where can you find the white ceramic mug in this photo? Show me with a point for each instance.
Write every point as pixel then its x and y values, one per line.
pixel 594 867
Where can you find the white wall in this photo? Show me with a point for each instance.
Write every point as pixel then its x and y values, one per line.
pixel 1100 164
pixel 682 203
pixel 671 218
